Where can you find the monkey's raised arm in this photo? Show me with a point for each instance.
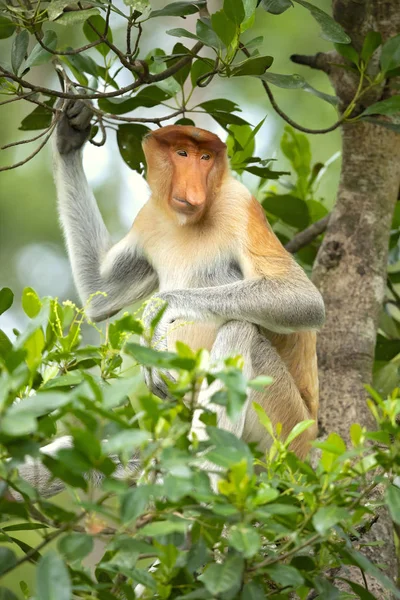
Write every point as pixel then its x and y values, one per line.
pixel 122 272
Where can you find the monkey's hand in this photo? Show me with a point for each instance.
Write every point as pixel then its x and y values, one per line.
pixel 73 129
pixel 155 379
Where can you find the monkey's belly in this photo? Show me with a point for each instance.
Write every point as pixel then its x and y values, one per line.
pixel 195 335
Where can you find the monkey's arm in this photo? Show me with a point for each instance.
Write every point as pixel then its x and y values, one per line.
pixel 282 304
pixel 121 272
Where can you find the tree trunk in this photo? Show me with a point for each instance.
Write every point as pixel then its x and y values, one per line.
pixel 350 269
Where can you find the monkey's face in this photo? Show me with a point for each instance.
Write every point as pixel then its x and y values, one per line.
pixel 190 190
pixel 184 168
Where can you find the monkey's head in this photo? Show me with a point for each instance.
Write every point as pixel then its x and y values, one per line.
pixel 185 166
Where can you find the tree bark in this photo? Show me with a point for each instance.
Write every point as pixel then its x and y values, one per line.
pixel 350 269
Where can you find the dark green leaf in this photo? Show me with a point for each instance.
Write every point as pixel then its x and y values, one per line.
pixel 129 138
pixel 234 10
pixel 372 41
pixel 223 26
pixel 40 118
pixel 284 81
pixel 19 49
pixel 24 527
pixel 39 55
pixel 266 173
pixel 360 591
pixel 370 569
pixel 100 25
pixel 253 66
pixel 6 299
pixel 134 502
pixel 390 55
pixel 285 575
pixel 76 17
pixel 6 594
pixel 220 578
pixel 7 559
pixel 290 209
pixel 147 97
pixel 200 67
pixel 225 118
pixel 5 344
pixel 276 7
pixel 179 32
pixel 159 528
pixel 386 349
pixel 52 578
pixel 7 27
pixel 327 97
pixel 245 539
pixel 393 501
pixel 206 34
pixel 328 516
pixel 331 30
pixel 183 73
pixel 178 9
pixel 75 546
pixel 347 51
pixel 219 104
pixel 390 106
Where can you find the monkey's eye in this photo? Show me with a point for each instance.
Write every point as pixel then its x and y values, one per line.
pixel 181 152
pixel 205 157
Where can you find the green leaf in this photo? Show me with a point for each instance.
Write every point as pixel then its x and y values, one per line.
pixel 234 10
pixel 390 106
pixel 252 591
pixel 7 27
pixel 7 559
pixel 40 118
pixel 285 575
pixel 6 299
pixel 327 97
pixel 134 502
pixel 19 49
pixel 129 138
pixel 361 591
pixel 390 55
pixel 289 209
pixel 31 302
pixel 223 26
pixel 125 441
pixel 55 8
pixel 6 594
pixel 147 97
pixel 200 67
pixel 253 66
pixel 183 73
pixel 219 104
pixel 153 358
pixel 369 568
pixel 75 546
pixel 298 430
pixel 284 81
pixel 276 7
pixel 164 528
pixel 39 55
pixel 392 498
pixel 328 516
pixel 178 9
pixel 347 51
pixel 386 349
pixel 76 17
pixel 100 24
pixel 206 34
pixel 179 32
pixel 52 578
pixel 220 578
pixel 245 539
pixel 372 41
pixel 331 31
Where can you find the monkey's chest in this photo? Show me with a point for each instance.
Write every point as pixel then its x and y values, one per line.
pixel 198 334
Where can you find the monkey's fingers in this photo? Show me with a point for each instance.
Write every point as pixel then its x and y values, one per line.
pixel 79 114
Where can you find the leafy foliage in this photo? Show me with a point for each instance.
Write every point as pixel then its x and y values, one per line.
pixel 269 532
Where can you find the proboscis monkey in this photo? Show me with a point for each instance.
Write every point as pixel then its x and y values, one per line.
pixel 203 241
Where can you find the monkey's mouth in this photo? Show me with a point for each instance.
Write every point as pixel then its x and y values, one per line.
pixel 184 206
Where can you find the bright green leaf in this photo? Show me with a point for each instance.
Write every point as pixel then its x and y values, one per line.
pixel 31 302
pixel 328 516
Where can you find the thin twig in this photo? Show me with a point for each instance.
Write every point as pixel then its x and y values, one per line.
pixel 66 52
pixel 283 115
pixel 37 137
pixel 305 237
pixel 16 98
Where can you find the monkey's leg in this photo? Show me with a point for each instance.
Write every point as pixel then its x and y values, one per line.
pixel 281 400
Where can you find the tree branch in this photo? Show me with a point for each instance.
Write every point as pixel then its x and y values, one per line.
pixel 305 237
pixel 317 61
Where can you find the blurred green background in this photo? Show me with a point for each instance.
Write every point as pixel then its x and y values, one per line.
pixel 31 242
